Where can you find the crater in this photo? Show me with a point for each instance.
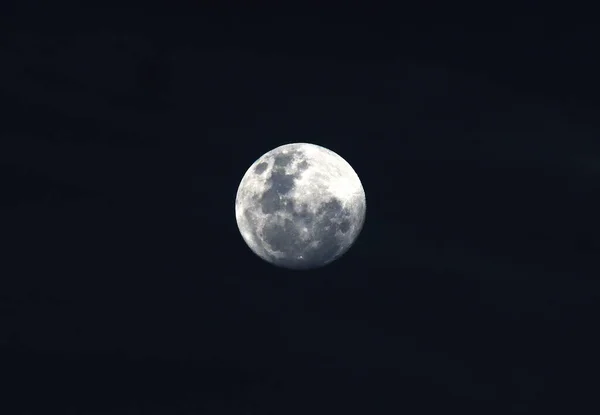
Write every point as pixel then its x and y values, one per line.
pixel 344 226
pixel 303 165
pixel 261 167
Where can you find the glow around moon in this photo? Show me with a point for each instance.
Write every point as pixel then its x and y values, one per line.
pixel 300 206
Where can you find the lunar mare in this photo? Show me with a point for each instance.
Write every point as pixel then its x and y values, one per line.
pixel 300 206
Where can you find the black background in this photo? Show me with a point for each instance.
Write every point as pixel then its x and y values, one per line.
pixel 125 287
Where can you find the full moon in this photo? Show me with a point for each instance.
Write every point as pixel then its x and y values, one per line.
pixel 300 206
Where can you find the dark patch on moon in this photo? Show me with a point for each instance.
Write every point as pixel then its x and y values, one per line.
pixel 273 199
pixel 303 165
pixel 270 201
pixel 282 160
pixel 344 226
pixel 280 237
pixel 280 184
pixel 333 218
pixel 331 208
pixel 261 167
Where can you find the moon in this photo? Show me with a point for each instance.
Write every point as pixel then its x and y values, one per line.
pixel 300 206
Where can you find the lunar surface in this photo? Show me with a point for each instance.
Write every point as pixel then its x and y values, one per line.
pixel 300 206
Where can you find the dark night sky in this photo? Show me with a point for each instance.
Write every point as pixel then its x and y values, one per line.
pixel 125 287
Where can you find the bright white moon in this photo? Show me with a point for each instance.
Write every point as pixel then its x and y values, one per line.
pixel 300 206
